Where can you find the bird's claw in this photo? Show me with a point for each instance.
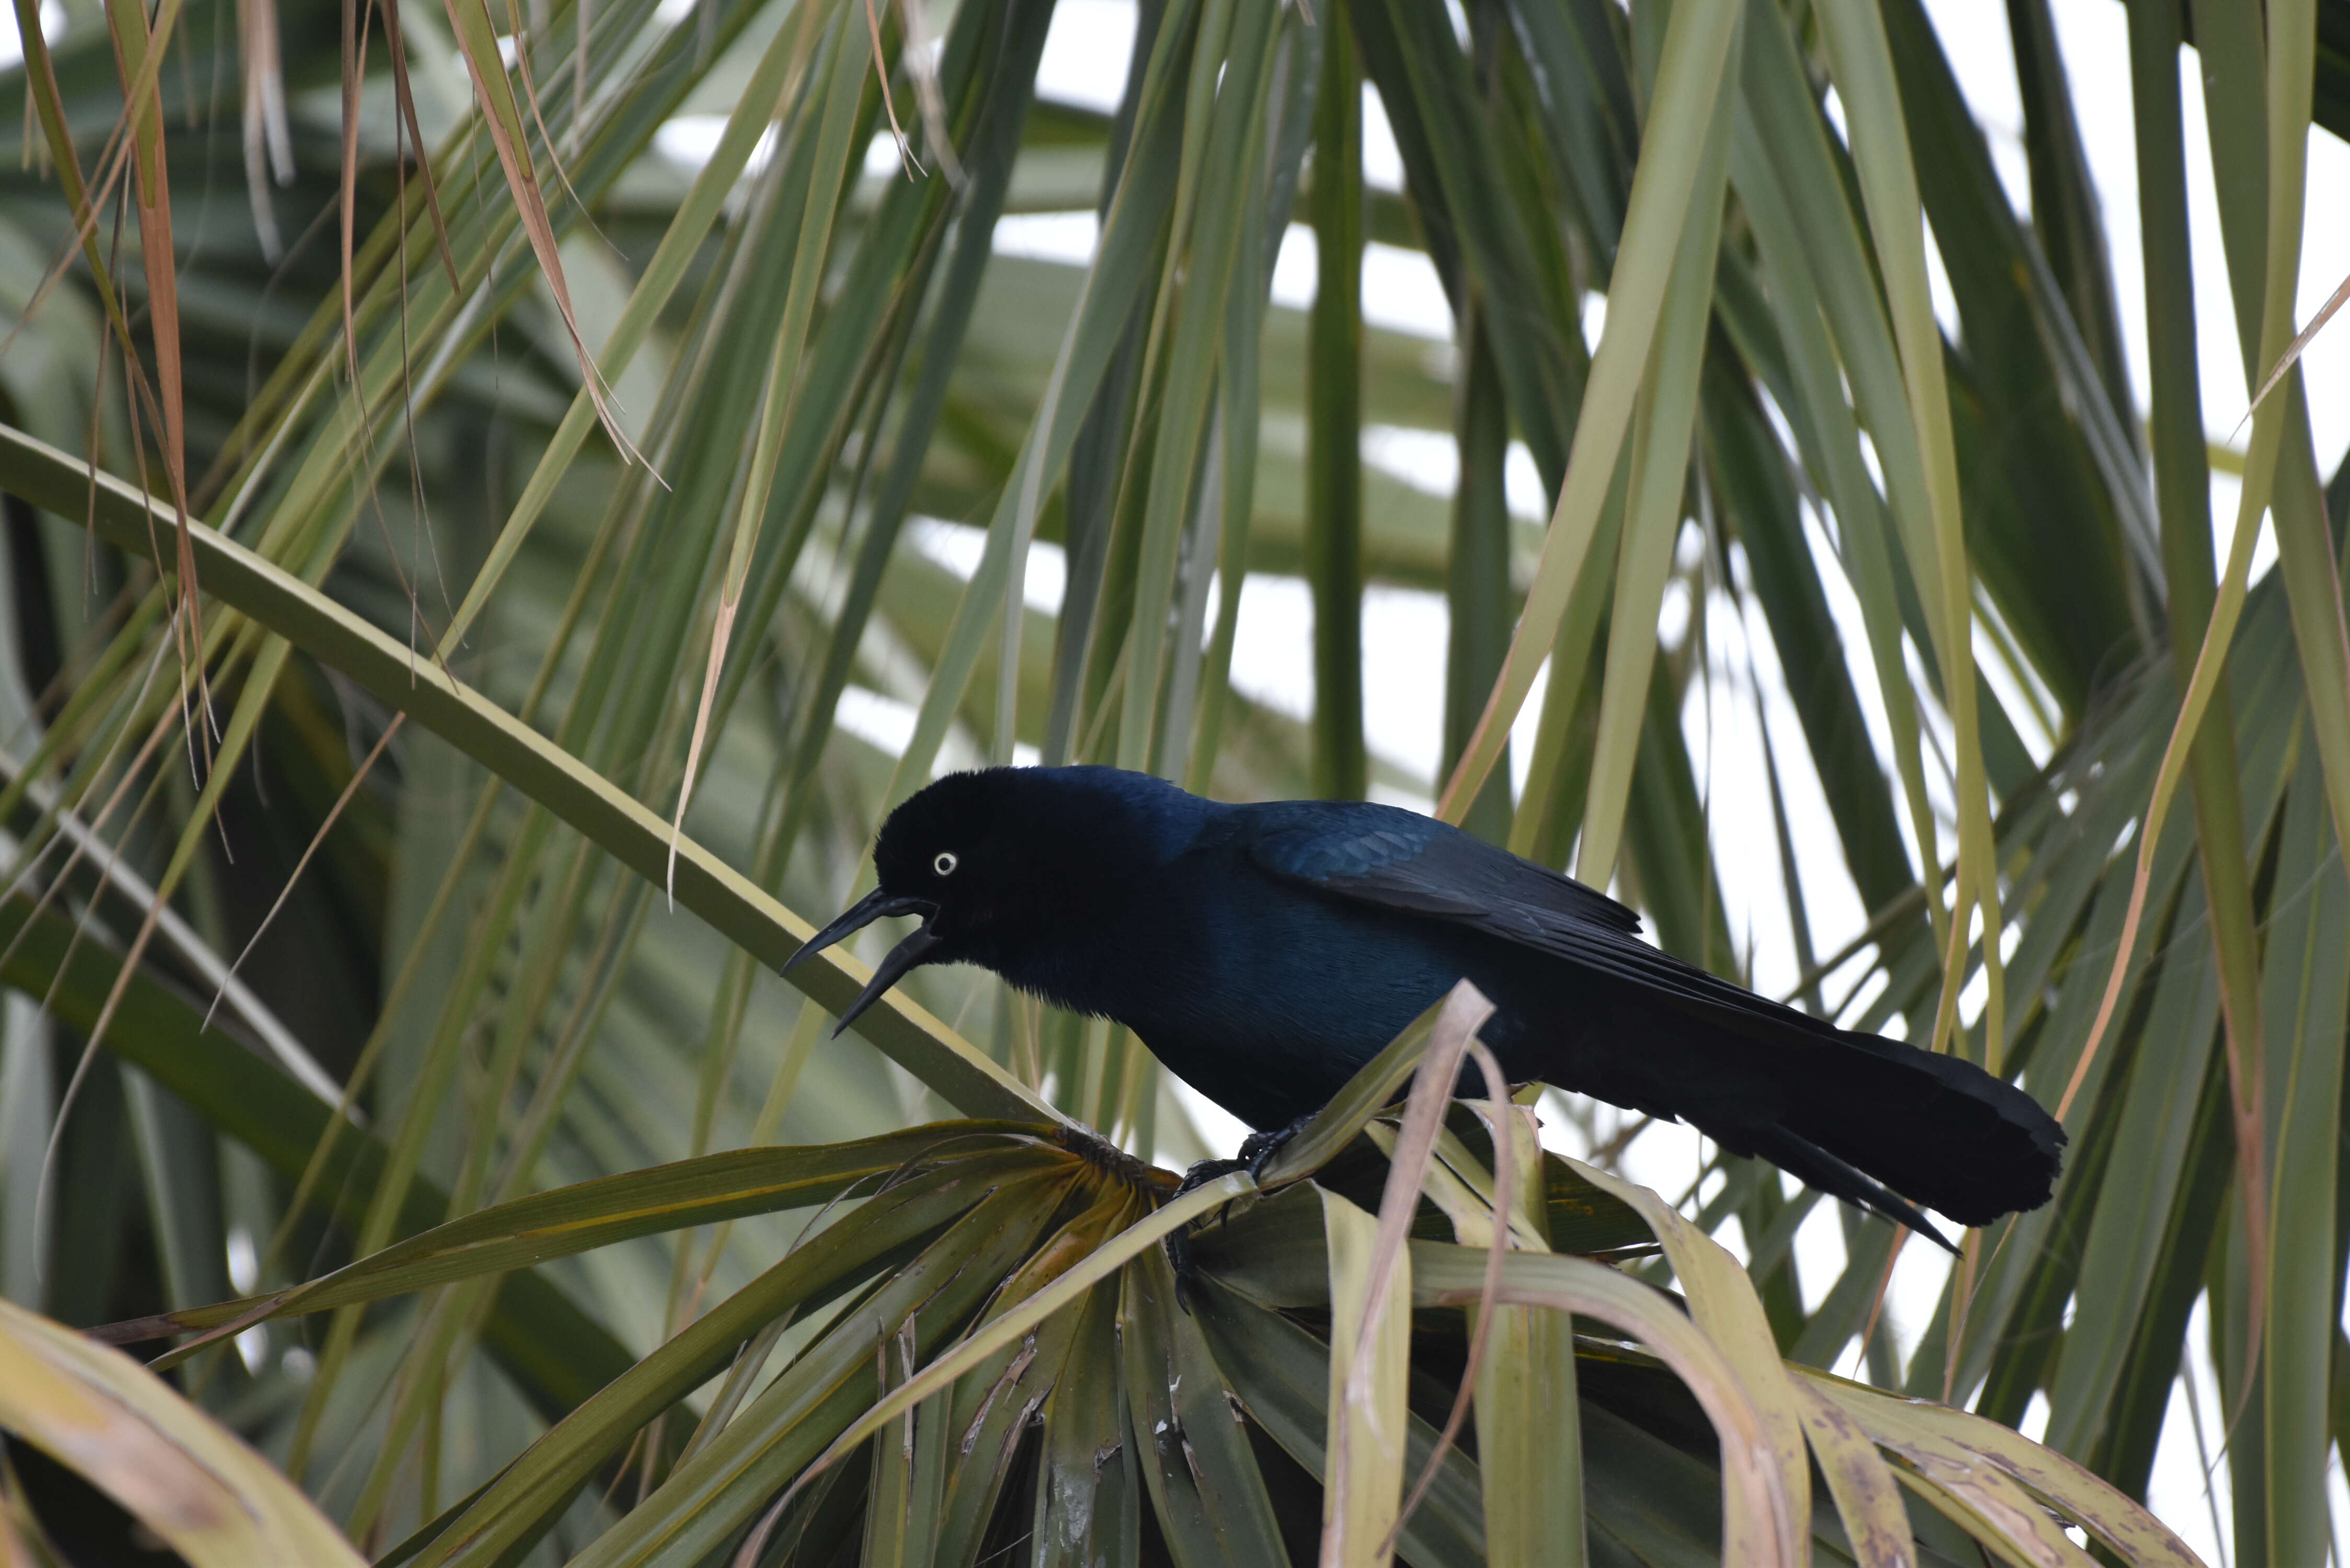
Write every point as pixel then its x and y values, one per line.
pixel 1258 1149
pixel 1186 1267
pixel 1178 1240
pixel 1208 1170
pixel 1256 1152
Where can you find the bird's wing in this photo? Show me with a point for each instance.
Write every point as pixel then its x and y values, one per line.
pixel 1400 860
pixel 1384 855
pixel 1870 1120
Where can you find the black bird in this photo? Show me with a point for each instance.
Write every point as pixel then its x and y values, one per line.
pixel 1266 953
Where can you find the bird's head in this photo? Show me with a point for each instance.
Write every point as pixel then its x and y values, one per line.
pixel 996 860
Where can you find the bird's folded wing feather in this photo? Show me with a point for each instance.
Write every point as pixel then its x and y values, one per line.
pixel 1399 860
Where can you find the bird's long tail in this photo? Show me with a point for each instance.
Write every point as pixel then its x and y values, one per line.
pixel 1894 1129
pixel 1815 1167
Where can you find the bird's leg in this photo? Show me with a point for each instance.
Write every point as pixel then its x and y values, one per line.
pixel 1256 1152
pixel 1178 1240
pixel 1186 1267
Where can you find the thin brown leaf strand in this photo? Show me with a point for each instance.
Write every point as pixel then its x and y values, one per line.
pixel 267 138
pixel 911 164
pixel 325 827
pixel 538 115
pixel 135 383
pixel 395 41
pixel 144 113
pixel 927 98
pixel 161 728
pixel 719 635
pixel 2292 350
pixel 531 207
pixel 354 63
pixel 2148 830
pixel 1884 1282
pixel 1465 1011
pixel 2247 1092
pixel 1962 1291
pixel 113 157
pixel 1946 1007
pixel 1505 1166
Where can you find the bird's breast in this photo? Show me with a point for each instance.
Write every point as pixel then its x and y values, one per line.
pixel 1264 996
pixel 1267 998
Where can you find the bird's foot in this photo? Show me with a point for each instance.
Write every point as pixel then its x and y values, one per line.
pixel 1206 1170
pixel 1178 1240
pixel 1256 1152
pixel 1257 1149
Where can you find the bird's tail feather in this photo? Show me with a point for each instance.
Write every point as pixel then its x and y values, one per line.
pixel 1875 1122
pixel 1935 1128
pixel 1815 1167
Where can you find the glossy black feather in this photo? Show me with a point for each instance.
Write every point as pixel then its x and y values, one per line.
pixel 1264 952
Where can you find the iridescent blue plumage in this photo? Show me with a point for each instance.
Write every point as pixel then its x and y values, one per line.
pixel 1266 953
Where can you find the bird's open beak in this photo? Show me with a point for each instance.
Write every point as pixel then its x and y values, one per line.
pixel 875 906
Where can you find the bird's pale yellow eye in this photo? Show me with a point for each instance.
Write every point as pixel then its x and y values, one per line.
pixel 946 863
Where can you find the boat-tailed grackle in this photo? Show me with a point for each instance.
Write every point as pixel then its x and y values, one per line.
pixel 1266 953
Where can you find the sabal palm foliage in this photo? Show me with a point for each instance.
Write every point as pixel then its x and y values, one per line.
pixel 430 506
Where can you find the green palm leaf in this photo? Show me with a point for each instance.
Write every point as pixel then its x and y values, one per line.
pixel 569 528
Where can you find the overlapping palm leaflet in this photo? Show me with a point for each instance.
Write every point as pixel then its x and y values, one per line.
pixel 445 534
